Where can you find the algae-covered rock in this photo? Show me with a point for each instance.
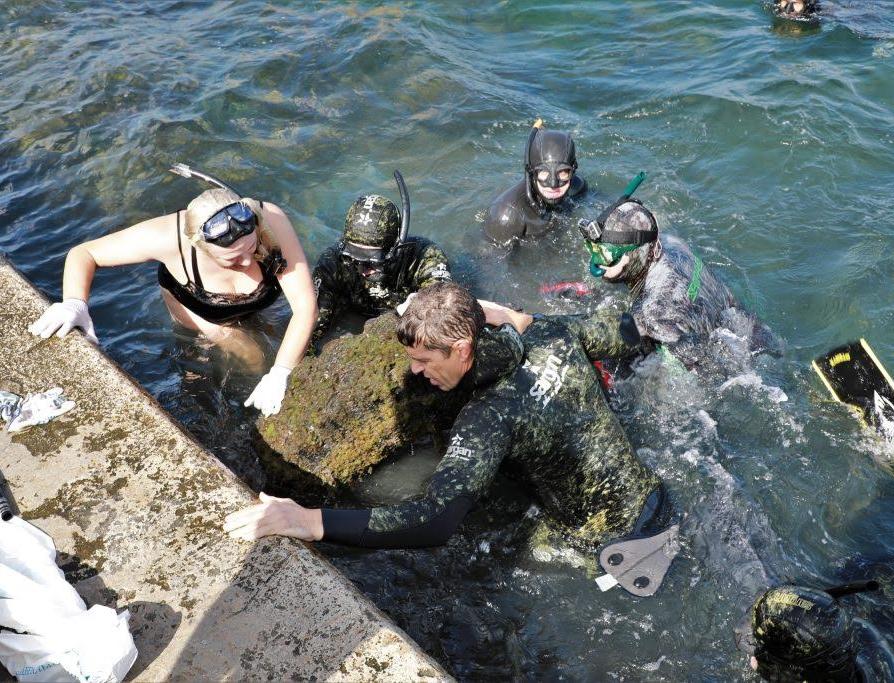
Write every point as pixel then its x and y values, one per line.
pixel 350 407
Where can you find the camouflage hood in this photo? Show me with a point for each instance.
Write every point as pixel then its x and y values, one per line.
pixel 498 353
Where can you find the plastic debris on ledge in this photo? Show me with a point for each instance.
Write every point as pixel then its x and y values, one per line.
pixel 35 409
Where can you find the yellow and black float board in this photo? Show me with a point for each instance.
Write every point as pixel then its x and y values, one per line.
pixel 853 375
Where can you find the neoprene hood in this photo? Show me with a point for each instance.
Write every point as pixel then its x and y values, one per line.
pixel 372 221
pixel 551 151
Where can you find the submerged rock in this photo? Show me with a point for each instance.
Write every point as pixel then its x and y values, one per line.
pixel 350 407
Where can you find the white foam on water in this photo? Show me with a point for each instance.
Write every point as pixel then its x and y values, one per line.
pixel 752 380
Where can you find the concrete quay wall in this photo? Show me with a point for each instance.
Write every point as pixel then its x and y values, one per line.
pixel 135 507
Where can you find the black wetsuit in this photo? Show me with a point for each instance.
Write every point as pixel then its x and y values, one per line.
pixel 340 286
pixel 536 403
pixel 213 306
pixel 513 216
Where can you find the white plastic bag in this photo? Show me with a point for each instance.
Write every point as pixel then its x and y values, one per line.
pixel 59 639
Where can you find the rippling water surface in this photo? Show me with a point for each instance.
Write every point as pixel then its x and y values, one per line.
pixel 769 147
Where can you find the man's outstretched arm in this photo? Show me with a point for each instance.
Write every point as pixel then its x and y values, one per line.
pixel 478 443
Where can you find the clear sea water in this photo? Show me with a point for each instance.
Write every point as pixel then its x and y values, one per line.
pixel 769 147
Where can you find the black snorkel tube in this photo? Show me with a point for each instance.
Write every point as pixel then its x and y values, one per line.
pixel 850 588
pixel 189 172
pixel 529 172
pixel 404 213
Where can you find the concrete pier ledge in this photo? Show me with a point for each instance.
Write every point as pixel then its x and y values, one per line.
pixel 135 507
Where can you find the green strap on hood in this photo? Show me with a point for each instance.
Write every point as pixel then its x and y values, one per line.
pixel 695 283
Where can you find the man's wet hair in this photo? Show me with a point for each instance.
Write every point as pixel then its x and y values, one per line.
pixel 440 315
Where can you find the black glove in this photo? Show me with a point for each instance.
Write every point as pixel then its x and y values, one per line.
pixel 629 333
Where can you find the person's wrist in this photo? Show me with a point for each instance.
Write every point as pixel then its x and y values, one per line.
pixel 313 522
pixel 280 371
pixel 75 302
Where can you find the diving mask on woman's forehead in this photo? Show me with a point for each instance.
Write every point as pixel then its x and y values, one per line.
pixel 231 223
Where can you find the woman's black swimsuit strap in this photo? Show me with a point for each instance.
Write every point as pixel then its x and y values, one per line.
pixel 216 307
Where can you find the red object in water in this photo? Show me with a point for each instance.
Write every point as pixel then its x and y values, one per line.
pixel 566 287
pixel 604 375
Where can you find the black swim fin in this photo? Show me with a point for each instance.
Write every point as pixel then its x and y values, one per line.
pixel 853 375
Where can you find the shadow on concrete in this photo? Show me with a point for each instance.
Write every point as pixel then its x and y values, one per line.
pixel 285 618
pixel 151 624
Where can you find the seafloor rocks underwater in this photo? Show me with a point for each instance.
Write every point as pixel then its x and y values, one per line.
pixel 350 407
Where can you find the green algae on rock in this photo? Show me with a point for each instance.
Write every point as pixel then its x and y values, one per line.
pixel 350 407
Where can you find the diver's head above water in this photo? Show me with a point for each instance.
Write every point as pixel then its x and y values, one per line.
pixel 798 633
pixel 623 242
pixel 550 163
pixel 224 225
pixel 440 328
pixel 372 227
pixel 796 9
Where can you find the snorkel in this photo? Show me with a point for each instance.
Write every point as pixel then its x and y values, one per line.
pixel 189 172
pixel 594 232
pixel 851 588
pixel 529 171
pixel 404 213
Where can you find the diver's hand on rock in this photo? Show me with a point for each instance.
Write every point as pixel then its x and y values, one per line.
pixel 62 317
pixel 629 332
pixel 267 396
pixel 275 516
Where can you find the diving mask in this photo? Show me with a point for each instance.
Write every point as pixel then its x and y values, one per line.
pixel 229 224
pixel 553 174
pixel 361 253
pixel 603 255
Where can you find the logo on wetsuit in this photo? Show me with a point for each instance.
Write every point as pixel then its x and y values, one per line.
pixel 549 379
pixel 458 451
pixel 440 272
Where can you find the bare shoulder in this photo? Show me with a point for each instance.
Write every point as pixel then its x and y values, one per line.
pixel 154 239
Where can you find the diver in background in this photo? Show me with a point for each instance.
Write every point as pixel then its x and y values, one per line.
pixel 531 207
pixel 796 9
pixel 376 265
pixel 795 633
pixel 677 301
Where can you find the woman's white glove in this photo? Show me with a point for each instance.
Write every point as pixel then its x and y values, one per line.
pixel 62 317
pixel 267 396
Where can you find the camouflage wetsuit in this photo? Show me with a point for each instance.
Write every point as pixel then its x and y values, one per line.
pixel 681 303
pixel 339 285
pixel 537 403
